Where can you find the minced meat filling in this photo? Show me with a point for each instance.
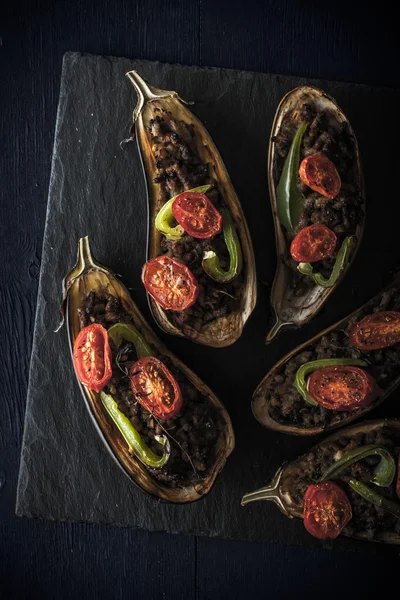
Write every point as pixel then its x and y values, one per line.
pixel 287 406
pixel 343 213
pixel 180 168
pixel 366 516
pixel 193 434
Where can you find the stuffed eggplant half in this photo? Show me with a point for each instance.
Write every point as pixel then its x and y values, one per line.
pixel 317 197
pixel 337 376
pixel 348 484
pixel 163 426
pixel 200 276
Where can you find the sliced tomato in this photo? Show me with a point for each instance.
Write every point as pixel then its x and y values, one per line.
pixel 379 330
pixel 342 387
pixel 327 510
pixel 197 215
pixel 170 283
pixel 313 243
pixel 92 357
pixel 155 388
pixel 320 174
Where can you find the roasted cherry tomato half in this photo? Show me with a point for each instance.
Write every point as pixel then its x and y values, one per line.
pixel 170 282
pixel 92 357
pixel 313 243
pixel 320 174
pixel 327 510
pixel 342 387
pixel 379 330
pixel 155 388
pixel 197 215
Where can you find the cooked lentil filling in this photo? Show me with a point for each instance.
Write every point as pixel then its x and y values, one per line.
pixel 324 135
pixel 180 168
pixel 288 407
pixel 193 434
pixel 366 516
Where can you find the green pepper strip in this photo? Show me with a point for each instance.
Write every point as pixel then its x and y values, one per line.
pixel 383 474
pixel 133 438
pixel 165 219
pixel 211 263
pixel 340 263
pixel 289 197
pixel 124 331
pixel 363 490
pixel 300 380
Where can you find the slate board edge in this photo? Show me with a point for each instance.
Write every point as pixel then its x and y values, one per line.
pixel 29 396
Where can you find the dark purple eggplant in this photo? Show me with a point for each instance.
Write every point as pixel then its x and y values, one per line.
pixel 290 482
pixel 87 276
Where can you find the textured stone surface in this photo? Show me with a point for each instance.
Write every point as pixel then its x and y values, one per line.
pixel 97 189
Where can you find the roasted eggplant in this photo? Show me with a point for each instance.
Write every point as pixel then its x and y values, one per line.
pixel 351 456
pixel 310 126
pixel 279 404
pixel 178 155
pixel 127 421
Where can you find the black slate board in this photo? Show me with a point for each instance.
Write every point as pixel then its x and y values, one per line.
pixel 97 188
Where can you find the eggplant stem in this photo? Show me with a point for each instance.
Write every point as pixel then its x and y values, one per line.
pixel 85 257
pixel 270 492
pixel 275 329
pixel 147 93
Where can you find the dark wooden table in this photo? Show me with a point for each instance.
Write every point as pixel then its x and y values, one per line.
pixel 347 41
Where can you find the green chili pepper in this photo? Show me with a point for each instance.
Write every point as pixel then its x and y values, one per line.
pixel 363 490
pixel 165 221
pixel 290 199
pixel 211 263
pixel 133 438
pixel 124 331
pixel 340 263
pixel 383 473
pixel 300 380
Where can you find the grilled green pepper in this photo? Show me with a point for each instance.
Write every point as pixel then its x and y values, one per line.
pixel 391 506
pixel 340 263
pixel 300 380
pixel 133 438
pixel 165 221
pixel 289 197
pixel 211 263
pixel 125 331
pixel 383 473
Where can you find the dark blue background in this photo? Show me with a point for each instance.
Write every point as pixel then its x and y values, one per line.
pixel 350 41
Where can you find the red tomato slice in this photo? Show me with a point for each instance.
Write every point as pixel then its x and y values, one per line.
pixel 342 387
pixel 379 330
pixel 92 357
pixel 170 283
pixel 327 510
pixel 155 388
pixel 197 215
pixel 313 243
pixel 320 174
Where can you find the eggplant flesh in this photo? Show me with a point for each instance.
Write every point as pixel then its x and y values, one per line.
pixel 88 276
pixel 221 331
pixel 295 298
pixel 264 399
pixel 284 488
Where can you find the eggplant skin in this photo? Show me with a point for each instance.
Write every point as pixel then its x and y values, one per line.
pixel 294 481
pixel 333 342
pixel 292 307
pixel 223 330
pixel 88 276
